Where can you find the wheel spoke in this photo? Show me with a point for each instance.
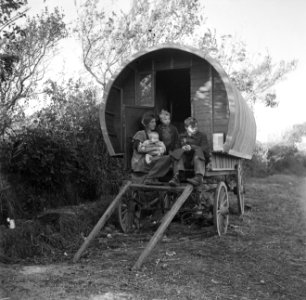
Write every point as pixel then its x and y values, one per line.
pixel 221 196
pixel 224 211
pixel 223 201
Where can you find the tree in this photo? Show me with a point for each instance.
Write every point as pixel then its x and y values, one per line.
pixel 28 51
pixel 108 38
pixel 253 74
pixel 10 12
pixel 296 134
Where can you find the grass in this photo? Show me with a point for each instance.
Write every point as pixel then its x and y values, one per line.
pixel 262 257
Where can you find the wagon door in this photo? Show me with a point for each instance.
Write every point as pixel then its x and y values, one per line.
pixel 131 124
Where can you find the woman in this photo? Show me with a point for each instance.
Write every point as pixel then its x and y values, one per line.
pixel 156 169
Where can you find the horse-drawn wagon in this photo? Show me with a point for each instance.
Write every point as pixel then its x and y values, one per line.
pixel 186 82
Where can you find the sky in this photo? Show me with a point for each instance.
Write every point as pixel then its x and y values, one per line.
pixel 276 26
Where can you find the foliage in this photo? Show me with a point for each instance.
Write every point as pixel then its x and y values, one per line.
pixel 258 165
pixel 253 74
pixel 10 12
pixel 296 134
pixel 108 39
pixel 285 158
pixel 276 158
pixel 23 57
pixel 60 157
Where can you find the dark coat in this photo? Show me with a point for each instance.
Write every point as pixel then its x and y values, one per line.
pixel 199 146
pixel 138 159
pixel 169 135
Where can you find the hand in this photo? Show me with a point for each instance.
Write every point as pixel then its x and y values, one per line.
pixel 186 147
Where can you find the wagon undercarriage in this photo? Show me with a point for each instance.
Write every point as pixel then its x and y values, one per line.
pixel 137 204
pixel 185 82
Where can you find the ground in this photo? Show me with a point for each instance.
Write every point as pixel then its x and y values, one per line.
pixel 263 256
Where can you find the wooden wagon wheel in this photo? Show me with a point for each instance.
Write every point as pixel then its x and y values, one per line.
pixel 129 211
pixel 221 208
pixel 240 189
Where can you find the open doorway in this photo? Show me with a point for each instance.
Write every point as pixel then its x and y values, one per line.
pixel 173 94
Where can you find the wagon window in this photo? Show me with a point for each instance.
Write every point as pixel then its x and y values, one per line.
pixel 145 97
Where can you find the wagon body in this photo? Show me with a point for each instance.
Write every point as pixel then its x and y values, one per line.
pixel 186 82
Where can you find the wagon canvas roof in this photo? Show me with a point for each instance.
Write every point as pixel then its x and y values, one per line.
pixel 241 134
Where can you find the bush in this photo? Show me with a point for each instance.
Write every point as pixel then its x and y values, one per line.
pixel 258 165
pixel 277 158
pixel 285 158
pixel 60 158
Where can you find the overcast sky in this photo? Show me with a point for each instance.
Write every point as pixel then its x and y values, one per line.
pixel 278 26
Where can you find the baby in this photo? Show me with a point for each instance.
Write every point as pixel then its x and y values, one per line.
pixel 153 147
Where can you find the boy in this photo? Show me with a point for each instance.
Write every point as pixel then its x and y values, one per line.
pixel 153 147
pixel 193 149
pixel 167 132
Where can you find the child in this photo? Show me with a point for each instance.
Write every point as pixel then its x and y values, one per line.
pixel 167 132
pixel 193 149
pixel 153 147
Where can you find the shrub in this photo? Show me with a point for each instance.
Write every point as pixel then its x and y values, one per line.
pixel 59 158
pixel 258 165
pixel 285 158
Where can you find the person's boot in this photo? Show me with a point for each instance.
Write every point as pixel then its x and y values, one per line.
pixel 175 181
pixel 196 180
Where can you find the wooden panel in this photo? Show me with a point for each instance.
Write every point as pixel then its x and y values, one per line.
pixel 129 90
pixel 162 63
pixel 144 65
pixel 181 60
pixel 112 115
pixel 202 107
pixel 218 83
pixel 220 103
pixel 220 161
pixel 169 59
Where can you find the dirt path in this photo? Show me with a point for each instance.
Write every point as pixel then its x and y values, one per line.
pixel 263 256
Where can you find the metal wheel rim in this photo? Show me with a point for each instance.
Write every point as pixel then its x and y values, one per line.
pixel 129 212
pixel 221 209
